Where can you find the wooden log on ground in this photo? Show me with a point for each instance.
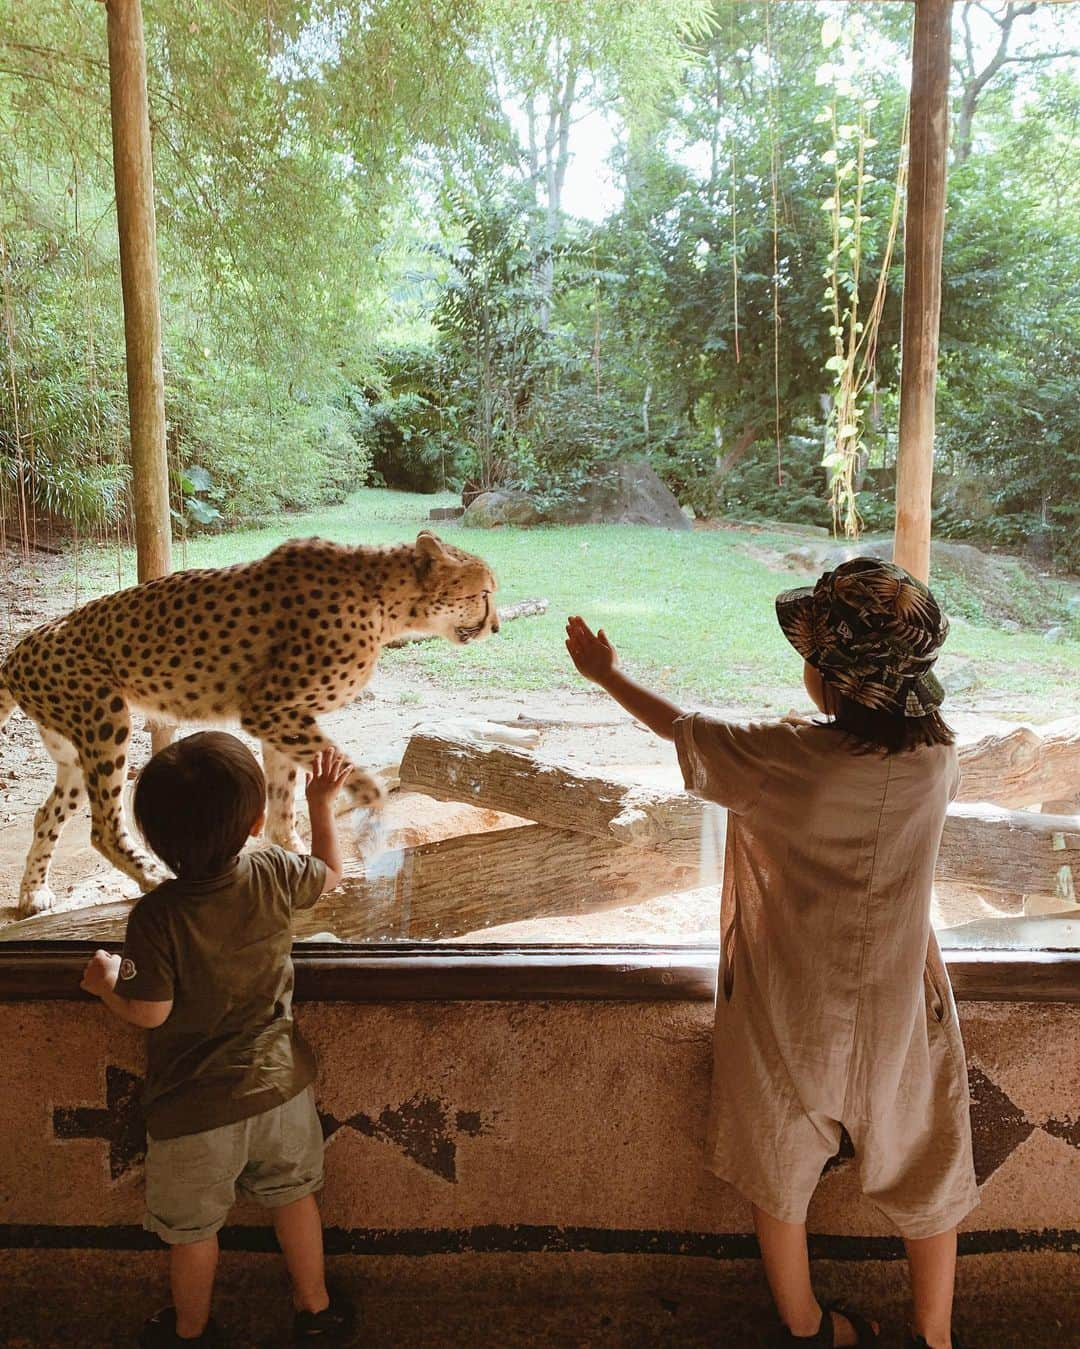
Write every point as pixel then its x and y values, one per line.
pixel 587 854
pixel 461 885
pixel 1023 767
pixel 93 922
pixel 524 609
pixel 446 889
pixel 988 846
pixel 1011 850
pixel 497 777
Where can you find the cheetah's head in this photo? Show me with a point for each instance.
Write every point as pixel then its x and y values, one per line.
pixel 458 590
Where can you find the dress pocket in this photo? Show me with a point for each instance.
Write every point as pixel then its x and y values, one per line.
pixel 936 989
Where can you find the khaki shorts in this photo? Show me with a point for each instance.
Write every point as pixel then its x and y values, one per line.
pixel 191 1182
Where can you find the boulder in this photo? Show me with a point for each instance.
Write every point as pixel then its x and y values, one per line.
pixel 957 674
pixel 793 527
pixel 625 494
pixel 502 507
pixel 835 556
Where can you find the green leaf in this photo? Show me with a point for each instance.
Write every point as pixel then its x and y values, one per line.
pixel 201 511
pixel 197 479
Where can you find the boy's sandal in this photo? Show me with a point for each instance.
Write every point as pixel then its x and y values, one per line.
pixel 160 1333
pixel 919 1343
pixel 333 1325
pixel 825 1337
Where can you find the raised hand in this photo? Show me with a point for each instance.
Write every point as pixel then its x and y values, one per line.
pixel 330 771
pixel 591 652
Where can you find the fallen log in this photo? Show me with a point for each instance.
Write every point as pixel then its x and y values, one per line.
pixel 523 609
pixel 1014 850
pixel 985 846
pixel 1023 767
pixel 462 885
pixel 446 889
pixel 599 844
pixel 93 922
pixel 451 768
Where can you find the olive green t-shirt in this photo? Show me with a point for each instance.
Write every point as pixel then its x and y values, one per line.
pixel 220 949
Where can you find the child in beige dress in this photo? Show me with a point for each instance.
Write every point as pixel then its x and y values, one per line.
pixel 834 1007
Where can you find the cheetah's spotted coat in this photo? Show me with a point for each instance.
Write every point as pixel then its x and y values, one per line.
pixel 271 643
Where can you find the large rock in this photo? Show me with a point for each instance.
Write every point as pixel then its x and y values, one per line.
pixel 502 507
pixel 625 494
pixel 792 527
pixel 957 674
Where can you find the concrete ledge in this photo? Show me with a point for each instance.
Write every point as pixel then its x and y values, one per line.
pixel 411 971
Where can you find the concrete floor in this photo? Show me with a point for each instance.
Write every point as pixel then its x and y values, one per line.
pixel 92 1299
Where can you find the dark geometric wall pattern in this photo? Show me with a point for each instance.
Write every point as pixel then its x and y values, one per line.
pixel 426 1129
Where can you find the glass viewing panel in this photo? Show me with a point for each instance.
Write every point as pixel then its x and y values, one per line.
pixel 677 339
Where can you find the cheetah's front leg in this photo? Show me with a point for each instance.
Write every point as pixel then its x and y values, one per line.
pixel 67 795
pixel 291 739
pixel 281 775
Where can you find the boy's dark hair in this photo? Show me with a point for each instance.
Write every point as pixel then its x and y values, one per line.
pixel 195 802
pixel 887 731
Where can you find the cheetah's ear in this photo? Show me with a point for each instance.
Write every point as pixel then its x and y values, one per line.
pixel 429 545
pixel 429 549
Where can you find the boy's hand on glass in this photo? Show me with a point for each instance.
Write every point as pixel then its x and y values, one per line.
pixel 100 973
pixel 591 652
pixel 329 773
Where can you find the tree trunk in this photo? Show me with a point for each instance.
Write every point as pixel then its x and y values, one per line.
pixel 134 177
pixel 738 451
pixel 924 230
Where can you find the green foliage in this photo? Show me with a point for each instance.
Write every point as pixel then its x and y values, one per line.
pixel 1009 390
pixel 412 428
pixel 367 265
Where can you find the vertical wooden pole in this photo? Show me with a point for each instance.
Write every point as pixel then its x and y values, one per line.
pixel 924 230
pixel 134 177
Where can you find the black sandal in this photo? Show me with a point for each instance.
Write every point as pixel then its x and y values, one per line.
pixel 825 1338
pixel 160 1333
pixel 918 1342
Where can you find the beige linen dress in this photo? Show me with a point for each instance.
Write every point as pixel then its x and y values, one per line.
pixel 833 1004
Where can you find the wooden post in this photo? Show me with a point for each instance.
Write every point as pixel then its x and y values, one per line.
pixel 134 177
pixel 924 229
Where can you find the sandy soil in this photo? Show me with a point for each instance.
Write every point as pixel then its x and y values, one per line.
pixel 581 726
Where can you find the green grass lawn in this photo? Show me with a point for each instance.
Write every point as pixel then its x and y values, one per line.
pixel 692 613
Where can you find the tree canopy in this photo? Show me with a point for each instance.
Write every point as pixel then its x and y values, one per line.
pixel 374 260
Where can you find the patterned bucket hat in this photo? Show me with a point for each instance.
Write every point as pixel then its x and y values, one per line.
pixel 873 632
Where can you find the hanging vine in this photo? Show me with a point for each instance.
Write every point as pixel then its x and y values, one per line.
pixel 853 360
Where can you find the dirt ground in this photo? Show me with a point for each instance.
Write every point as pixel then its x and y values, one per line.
pixel 579 725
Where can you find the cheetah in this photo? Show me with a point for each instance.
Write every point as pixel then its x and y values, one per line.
pixel 272 644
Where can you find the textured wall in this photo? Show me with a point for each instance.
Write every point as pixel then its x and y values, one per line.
pixel 482 1154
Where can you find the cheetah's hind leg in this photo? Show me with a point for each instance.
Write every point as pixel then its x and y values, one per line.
pixel 67 795
pixel 104 762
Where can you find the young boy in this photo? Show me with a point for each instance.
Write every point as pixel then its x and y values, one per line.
pixel 206 969
pixel 834 1008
